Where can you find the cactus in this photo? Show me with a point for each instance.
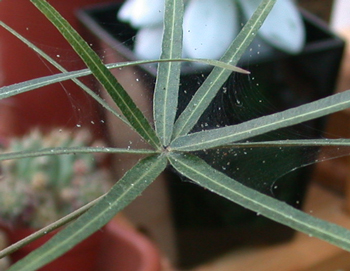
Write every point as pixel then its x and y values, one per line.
pixel 35 192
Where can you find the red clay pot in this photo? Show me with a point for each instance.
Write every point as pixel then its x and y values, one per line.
pixel 81 257
pixel 125 249
pixel 117 247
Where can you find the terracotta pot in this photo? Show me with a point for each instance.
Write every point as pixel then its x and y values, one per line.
pixel 125 249
pixel 117 247
pixel 81 257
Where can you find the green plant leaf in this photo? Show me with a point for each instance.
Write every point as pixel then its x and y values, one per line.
pixel 71 150
pixel 203 174
pixel 102 74
pixel 168 74
pixel 212 62
pixel 12 90
pixel 18 88
pixel 218 77
pixel 122 193
pixel 221 136
pixel 341 142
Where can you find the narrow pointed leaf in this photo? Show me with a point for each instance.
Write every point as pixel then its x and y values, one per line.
pixel 325 142
pixel 168 75
pixel 217 77
pixel 72 150
pixel 102 74
pixel 122 193
pixel 201 173
pixel 14 89
pixel 222 136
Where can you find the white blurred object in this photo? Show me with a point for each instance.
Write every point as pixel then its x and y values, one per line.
pixel 211 25
pixel 148 43
pixel 209 28
pixel 340 18
pixel 126 10
pixel 283 28
pixel 142 13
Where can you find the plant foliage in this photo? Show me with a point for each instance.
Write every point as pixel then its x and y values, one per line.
pixel 170 141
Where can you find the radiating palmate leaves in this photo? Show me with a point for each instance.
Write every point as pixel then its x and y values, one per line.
pixel 140 176
pixel 168 74
pixel 122 193
pixel 221 136
pixel 207 91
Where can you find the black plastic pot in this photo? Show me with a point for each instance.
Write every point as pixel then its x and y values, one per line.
pixel 205 223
